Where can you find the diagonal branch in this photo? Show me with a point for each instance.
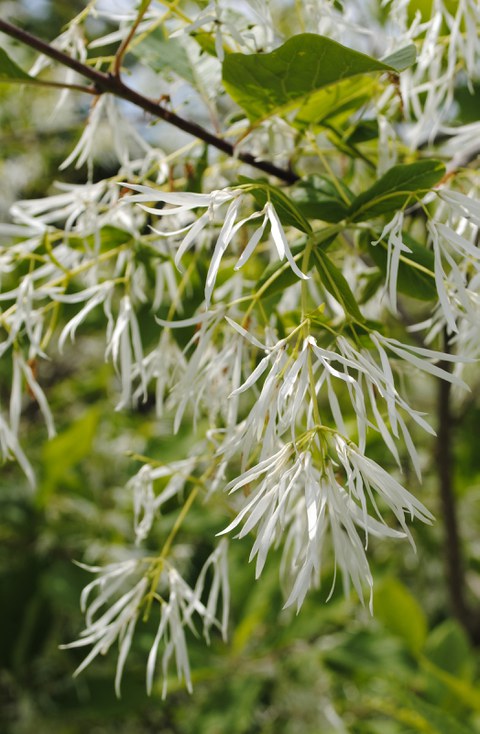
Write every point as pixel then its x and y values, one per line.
pixel 112 84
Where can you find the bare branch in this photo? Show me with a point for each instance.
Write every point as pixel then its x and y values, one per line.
pixel 111 84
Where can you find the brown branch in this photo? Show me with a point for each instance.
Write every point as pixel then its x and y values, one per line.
pixel 111 84
pixel 454 566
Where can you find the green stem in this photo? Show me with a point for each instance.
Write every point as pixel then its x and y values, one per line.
pixel 117 64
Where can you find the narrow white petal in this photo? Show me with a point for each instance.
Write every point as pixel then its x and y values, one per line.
pixel 189 240
pixel 251 245
pixel 246 334
pixel 182 323
pixel 177 198
pixel 280 241
pixel 220 247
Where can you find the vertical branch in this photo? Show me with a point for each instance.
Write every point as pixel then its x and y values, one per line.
pixel 454 567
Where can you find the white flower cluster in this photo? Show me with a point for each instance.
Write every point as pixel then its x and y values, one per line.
pixel 113 612
pixel 291 390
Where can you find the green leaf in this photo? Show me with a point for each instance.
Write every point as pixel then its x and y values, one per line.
pixel 206 41
pixel 448 648
pixel 336 284
pixel 371 282
pixel 435 719
pixel 401 614
pixel 319 197
pixel 399 185
pixel 280 275
pixel 365 130
pixel 462 690
pixel 10 72
pixel 467 99
pixel 416 276
pixel 107 238
pixel 335 103
pixel 289 213
pixel 264 84
pixel 160 53
pixel 196 171
pixel 403 58
pixel 66 450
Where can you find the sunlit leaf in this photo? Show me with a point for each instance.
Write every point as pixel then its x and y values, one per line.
pixel 264 84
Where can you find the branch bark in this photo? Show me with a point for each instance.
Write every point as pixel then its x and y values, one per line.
pixel 112 84
pixel 454 565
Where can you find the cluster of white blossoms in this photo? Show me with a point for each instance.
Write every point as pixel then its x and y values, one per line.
pixel 147 580
pixel 283 386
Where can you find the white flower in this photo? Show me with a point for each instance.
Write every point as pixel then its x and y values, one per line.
pixel 163 365
pixel 292 501
pixel 25 316
pixel 182 202
pixel 467 339
pixel 217 17
pixel 84 209
pixel 113 602
pixel 122 137
pixel 93 296
pixel 375 380
pixel 261 422
pixel 23 371
pixel 10 448
pixel 395 249
pixel 124 345
pixel 423 359
pixel 145 503
pixel 292 383
pixel 464 206
pixel 428 87
pixel 72 42
pixel 365 476
pixel 177 613
pixel 193 385
pixel 174 614
pixel 118 621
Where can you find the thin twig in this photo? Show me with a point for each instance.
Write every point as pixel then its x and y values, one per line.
pixel 109 83
pixel 55 85
pixel 126 41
